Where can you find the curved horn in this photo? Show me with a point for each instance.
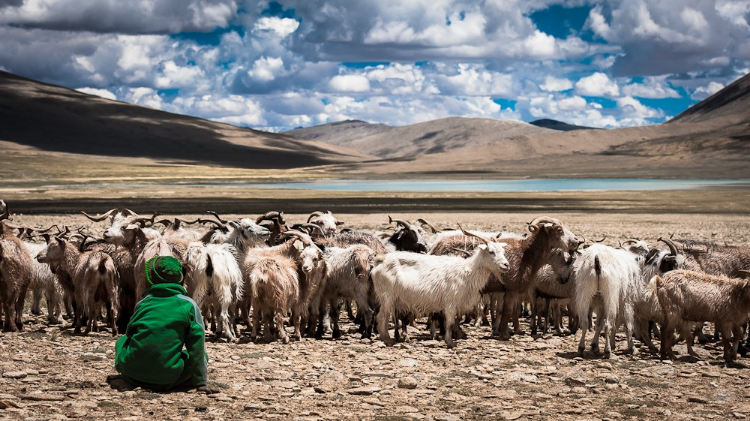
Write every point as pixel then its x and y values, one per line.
pixel 166 222
pixel 429 225
pixel 314 214
pixel 630 241
pixel 144 219
pixel 306 240
pixel 6 210
pixel 177 221
pixel 268 216
pixel 398 222
pixel 128 212
pixel 218 218
pixel 468 234
pixel 599 241
pixel 98 218
pixel 210 221
pixel 545 219
pixel 672 247
pixel 314 227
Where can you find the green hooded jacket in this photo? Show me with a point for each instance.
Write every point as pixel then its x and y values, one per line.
pixel 151 352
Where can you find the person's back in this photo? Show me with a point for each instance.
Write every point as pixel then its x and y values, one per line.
pixel 151 353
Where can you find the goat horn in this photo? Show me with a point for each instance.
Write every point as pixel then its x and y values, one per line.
pixel 314 227
pixel 744 271
pixel 128 212
pixel 98 218
pixel 166 222
pixel 143 219
pixel 268 216
pixel 210 221
pixel 630 241
pixel 314 214
pixel 468 253
pixel 186 222
pixel 672 247
pixel 468 234
pixel 545 219
pixel 46 238
pixel 305 238
pixel 599 241
pixel 6 210
pixel 218 218
pixel 429 225
pixel 398 222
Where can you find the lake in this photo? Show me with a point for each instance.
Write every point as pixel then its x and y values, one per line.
pixel 503 185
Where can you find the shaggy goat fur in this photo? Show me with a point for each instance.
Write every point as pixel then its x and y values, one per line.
pixel 689 296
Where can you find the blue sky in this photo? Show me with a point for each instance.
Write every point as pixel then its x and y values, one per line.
pixel 283 64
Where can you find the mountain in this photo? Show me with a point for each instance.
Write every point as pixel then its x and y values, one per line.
pixel 557 125
pixel 412 141
pixel 59 120
pixel 729 105
pixel 340 133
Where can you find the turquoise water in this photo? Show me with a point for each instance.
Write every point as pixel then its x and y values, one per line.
pixel 503 185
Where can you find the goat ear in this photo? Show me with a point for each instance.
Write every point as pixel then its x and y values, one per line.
pixel 340 222
pixel 482 246
pixel 533 228
pixel 400 234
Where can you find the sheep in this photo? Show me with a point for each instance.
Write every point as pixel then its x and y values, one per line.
pixel 326 221
pixel 689 296
pixel 214 281
pixel 426 283
pixel 526 256
pixel 606 280
pixel 95 278
pixel 15 274
pixel 347 277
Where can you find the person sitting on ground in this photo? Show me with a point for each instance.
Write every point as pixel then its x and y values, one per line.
pixel 164 344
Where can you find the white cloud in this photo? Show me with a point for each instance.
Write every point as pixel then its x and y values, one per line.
pixel 282 26
pixel 633 113
pixel 98 92
pixel 703 92
pixel 266 69
pixel 349 83
pixel 553 84
pixel 652 87
pixel 597 84
pixel 145 97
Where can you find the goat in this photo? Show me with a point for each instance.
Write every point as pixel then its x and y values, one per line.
pixel 347 277
pixel 274 288
pixel 407 237
pixel 15 274
pixel 326 221
pixel 607 280
pixel 95 278
pixel 44 281
pixel 526 256
pixel 426 283
pixel 214 281
pixel 689 296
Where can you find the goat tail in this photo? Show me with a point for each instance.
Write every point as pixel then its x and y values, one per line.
pixel 103 258
pixel 598 271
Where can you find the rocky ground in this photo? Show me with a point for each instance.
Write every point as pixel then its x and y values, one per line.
pixel 49 373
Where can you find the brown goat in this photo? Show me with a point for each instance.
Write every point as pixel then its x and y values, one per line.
pixel 689 296
pixel 274 288
pixel 15 276
pixel 94 277
pixel 526 256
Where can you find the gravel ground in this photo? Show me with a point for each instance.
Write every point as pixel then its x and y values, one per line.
pixel 48 373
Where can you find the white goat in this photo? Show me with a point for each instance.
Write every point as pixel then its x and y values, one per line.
pixel 606 280
pixel 424 284
pixel 214 281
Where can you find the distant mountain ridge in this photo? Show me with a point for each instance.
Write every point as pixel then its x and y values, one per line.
pixel 548 123
pixel 57 119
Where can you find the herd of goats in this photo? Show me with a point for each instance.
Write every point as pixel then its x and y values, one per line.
pixel 264 270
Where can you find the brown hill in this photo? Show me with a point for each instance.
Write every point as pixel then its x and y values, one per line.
pixel 55 119
pixel 428 138
pixel 729 105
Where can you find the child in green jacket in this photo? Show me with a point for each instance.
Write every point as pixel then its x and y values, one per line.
pixel 151 353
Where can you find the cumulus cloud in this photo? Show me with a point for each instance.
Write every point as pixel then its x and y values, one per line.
pixel 131 16
pixel 598 84
pixel 652 87
pixel 98 92
pixel 671 36
pixel 553 84
pixel 349 83
pixel 703 92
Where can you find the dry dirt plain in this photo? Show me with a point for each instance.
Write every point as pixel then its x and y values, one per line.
pixel 47 373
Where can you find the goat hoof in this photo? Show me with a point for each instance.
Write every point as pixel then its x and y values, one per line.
pixel 336 334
